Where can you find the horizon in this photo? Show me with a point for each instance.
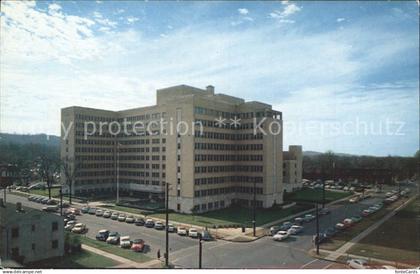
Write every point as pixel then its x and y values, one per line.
pixel 321 64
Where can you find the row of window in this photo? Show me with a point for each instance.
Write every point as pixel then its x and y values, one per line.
pixel 224 190
pixel 228 115
pixel 102 173
pixel 141 174
pixel 83 158
pixel 237 147
pixel 15 230
pixel 227 157
pixel 94 118
pixel 141 158
pixel 226 179
pixel 81 141
pixel 95 149
pixel 142 141
pixel 141 182
pixel 228 136
pixel 141 166
pixel 211 205
pixel 141 149
pixel 144 117
pixel 228 124
pixel 212 169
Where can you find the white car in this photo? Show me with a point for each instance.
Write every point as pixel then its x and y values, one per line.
pixel 125 242
pixel 182 231
pixel 113 238
pixel 99 212
pixel 281 235
pixel 171 228
pixel 295 229
pixel 357 264
pixel 79 228
pixel 193 233
pixel 69 226
pixel 121 218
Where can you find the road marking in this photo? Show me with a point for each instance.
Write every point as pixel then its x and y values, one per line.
pixel 308 263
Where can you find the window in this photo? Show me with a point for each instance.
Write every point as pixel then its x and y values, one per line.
pixel 178 193
pixel 54 226
pixel 54 244
pixel 15 232
pixel 33 247
pixel 33 228
pixel 178 207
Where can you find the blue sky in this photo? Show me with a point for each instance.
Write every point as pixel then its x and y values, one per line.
pixel 344 74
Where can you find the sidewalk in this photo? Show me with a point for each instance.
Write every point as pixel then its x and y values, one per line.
pixel 352 256
pixel 344 248
pixel 124 263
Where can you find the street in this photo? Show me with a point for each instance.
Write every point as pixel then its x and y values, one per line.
pixel 262 253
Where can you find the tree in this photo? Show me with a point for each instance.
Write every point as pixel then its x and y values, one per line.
pixel 70 167
pixel 48 169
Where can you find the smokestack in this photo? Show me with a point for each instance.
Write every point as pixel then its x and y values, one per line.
pixel 210 89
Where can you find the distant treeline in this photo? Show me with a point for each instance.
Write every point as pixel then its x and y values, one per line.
pixel 325 163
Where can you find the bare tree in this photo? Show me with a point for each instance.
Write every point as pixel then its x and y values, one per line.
pixel 70 167
pixel 48 168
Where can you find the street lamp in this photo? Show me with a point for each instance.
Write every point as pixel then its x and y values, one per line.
pixel 254 210
pixel 118 172
pixel 200 251
pixel 167 223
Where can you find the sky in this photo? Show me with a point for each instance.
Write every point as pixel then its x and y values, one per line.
pixel 345 75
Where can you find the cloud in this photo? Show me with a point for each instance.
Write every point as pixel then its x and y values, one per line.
pixel 288 10
pixel 339 20
pixel 132 19
pixel 243 11
pixel 54 7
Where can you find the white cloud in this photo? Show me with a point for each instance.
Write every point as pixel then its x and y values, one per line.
pixel 340 19
pixel 288 10
pixel 243 11
pixel 97 14
pixel 98 2
pixel 54 7
pixel 132 19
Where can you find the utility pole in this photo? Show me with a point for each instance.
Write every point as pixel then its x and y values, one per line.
pixel 167 224
pixel 323 193
pixel 61 201
pixel 254 210
pixel 317 229
pixel 200 251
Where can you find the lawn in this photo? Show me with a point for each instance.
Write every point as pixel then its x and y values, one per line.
pixel 83 259
pixel 55 192
pixel 313 195
pixel 234 216
pixel 116 250
pixel 396 239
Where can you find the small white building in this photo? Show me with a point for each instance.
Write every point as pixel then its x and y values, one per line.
pixel 29 235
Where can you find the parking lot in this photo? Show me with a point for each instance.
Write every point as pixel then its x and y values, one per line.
pixel 262 253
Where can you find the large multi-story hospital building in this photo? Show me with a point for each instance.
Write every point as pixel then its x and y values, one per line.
pixel 213 150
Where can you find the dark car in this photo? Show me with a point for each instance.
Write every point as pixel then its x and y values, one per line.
pixel 329 232
pixel 324 211
pixel 149 223
pixel 139 221
pixel 85 209
pixel 51 202
pixel 44 201
pixel 102 235
pixel 322 238
pixel 71 216
pixel 206 236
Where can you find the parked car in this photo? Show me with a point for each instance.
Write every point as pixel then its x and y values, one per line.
pixel 74 211
pixel 149 223
pixel 274 229
pixel 69 226
pixel 139 221
pixel 52 202
pixel 182 231
pixel 329 232
pixel 44 201
pixel 206 236
pixel 298 221
pixel 286 226
pixel 85 209
pixel 121 218
pixel 366 212
pixel 50 208
pixel 357 264
pixel 114 216
pixel 322 238
pixel 159 226
pixel 308 217
pixel 281 235
pixel 129 219
pixel 356 219
pixel 354 199
pixel 79 228
pixel 171 228
pixel 92 211
pixel 324 211
pixel 137 245
pixel 102 235
pixel 31 198
pixel 125 242
pixel 347 222
pixel 193 233
pixel 107 214
pixel 340 226
pixel 295 229
pixel 71 216
pixel 113 238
